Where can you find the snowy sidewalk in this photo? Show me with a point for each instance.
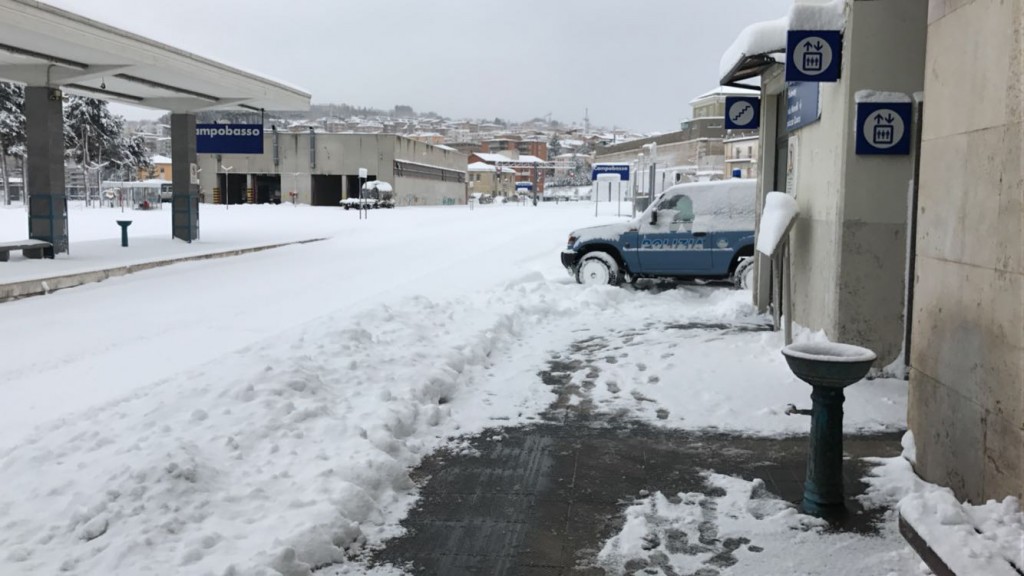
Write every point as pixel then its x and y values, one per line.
pixel 594 491
pixel 95 239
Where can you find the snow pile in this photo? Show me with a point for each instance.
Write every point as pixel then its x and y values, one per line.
pixel 873 96
pixel 829 352
pixel 818 15
pixel 969 539
pixel 780 211
pixel 909 448
pixel 289 464
pixel 738 527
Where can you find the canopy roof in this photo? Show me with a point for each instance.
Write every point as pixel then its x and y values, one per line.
pixel 44 46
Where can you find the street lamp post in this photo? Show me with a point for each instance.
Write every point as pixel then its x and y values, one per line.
pixel 362 204
pixel 227 186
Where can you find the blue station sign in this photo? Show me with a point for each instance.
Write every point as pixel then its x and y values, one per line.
pixel 883 128
pixel 803 106
pixel 524 186
pixel 813 55
pixel 742 113
pixel 622 170
pixel 229 138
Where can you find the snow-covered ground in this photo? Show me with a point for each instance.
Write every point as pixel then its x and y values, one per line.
pixel 260 414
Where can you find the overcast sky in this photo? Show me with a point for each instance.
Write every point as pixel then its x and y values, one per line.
pixel 633 63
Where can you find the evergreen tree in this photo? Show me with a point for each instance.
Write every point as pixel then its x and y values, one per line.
pixel 12 129
pixel 92 134
pixel 554 146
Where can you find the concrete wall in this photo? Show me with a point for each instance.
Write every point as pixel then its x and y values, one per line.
pixel 342 155
pixel 888 53
pixel 849 243
pixel 967 358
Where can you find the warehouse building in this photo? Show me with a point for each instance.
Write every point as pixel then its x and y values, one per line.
pixel 323 169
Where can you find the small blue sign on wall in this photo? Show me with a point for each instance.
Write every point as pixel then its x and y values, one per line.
pixel 813 55
pixel 883 128
pixel 742 113
pixel 621 169
pixel 802 104
pixel 229 138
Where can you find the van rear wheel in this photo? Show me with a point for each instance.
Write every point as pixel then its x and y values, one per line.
pixel 598 268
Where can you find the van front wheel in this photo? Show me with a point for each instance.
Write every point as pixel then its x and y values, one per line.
pixel 598 268
pixel 743 276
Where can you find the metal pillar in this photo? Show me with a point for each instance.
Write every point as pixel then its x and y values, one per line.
pixel 823 489
pixel 48 204
pixel 185 199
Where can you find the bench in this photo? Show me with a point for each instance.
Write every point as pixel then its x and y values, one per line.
pixel 29 248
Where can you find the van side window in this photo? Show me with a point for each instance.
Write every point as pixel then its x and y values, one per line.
pixel 684 208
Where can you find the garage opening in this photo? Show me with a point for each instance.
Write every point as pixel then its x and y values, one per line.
pixel 267 188
pixel 352 184
pixel 326 190
pixel 232 188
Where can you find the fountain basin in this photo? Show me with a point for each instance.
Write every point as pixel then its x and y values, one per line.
pixel 828 364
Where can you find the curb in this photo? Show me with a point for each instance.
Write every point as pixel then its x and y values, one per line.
pixel 43 286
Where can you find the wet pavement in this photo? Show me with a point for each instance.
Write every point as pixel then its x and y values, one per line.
pixel 541 500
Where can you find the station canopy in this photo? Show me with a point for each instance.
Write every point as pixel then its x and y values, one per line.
pixel 44 46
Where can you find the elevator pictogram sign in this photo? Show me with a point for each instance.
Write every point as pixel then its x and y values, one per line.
pixel 813 55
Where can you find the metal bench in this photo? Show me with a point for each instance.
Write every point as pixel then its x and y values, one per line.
pixel 29 248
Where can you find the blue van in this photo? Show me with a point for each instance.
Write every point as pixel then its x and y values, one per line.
pixel 699 230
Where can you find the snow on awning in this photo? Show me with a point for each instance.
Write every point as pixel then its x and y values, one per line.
pixel 750 54
pixel 758 46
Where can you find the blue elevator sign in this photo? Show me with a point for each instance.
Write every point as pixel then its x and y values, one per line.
pixel 813 55
pixel 742 113
pixel 883 128
pixel 229 138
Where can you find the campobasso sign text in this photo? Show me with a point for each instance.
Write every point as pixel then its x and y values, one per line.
pixel 229 139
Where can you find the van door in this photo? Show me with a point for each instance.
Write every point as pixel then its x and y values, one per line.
pixel 676 242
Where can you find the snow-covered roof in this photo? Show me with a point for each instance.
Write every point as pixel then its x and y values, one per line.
pixel 724 91
pixel 493 158
pixel 481 167
pixel 769 37
pixel 449 148
pixel 159 159
pixel 528 159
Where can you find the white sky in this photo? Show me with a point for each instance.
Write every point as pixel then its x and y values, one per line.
pixel 633 63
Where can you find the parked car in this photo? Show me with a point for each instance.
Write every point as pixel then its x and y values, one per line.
pixel 368 203
pixel 700 230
